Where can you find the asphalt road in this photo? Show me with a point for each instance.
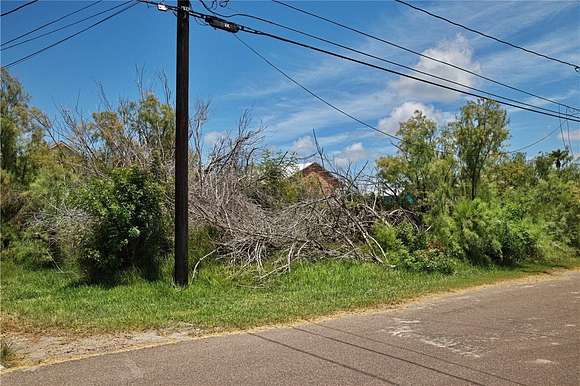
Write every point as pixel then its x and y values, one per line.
pixel 516 334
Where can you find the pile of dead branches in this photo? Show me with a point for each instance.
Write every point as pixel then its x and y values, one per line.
pixel 226 194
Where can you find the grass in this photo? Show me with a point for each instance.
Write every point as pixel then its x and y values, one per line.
pixel 7 353
pixel 37 300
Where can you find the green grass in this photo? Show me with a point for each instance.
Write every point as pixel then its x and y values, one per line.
pixel 46 299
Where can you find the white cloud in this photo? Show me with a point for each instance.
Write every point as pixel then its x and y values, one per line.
pixel 311 115
pixel 351 154
pixel 303 146
pixel 212 137
pixel 456 51
pixel 406 110
pixel 574 135
pixel 290 114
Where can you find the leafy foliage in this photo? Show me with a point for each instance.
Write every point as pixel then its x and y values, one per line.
pixel 103 199
pixel 129 231
pixel 407 248
pixel 478 134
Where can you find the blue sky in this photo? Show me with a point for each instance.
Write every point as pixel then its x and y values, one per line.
pixel 233 78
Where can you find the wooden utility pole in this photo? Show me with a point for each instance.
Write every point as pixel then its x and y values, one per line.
pixel 181 143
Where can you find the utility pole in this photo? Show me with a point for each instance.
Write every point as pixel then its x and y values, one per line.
pixel 181 143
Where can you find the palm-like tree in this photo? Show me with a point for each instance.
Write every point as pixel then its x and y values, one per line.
pixel 559 156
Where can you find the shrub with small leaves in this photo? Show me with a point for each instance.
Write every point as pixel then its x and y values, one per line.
pixel 130 230
pixel 427 260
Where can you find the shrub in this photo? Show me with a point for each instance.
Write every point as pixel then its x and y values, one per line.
pixel 405 246
pixel 412 237
pixel 477 228
pixel 491 234
pixel 519 241
pixel 558 203
pixel 386 236
pixel 29 252
pixel 427 260
pixel 444 235
pixel 130 230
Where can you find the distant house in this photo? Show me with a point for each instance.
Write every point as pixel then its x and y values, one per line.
pixel 318 177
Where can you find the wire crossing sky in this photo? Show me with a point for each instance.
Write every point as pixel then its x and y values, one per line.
pixel 576 67
pixel 17 8
pixel 234 78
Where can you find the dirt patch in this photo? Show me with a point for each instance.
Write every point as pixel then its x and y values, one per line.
pixel 34 349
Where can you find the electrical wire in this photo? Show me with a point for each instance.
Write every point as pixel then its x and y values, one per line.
pixel 371 65
pixel 266 60
pixel 72 36
pixel 533 143
pixel 243 28
pixel 67 25
pixel 377 57
pixel 18 8
pixel 254 31
pixel 570 139
pixel 576 67
pixel 49 23
pixel 421 54
pixel 250 30
pixel 257 53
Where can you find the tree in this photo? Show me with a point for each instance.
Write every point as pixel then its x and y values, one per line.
pixel 135 133
pixel 513 172
pixel 22 134
pixel 418 168
pixel 479 133
pixel 560 157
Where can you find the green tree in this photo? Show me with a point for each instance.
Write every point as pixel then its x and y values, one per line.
pixel 513 172
pixel 560 157
pixel 22 134
pixel 23 150
pixel 479 133
pixel 418 168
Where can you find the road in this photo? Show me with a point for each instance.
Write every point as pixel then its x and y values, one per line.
pixel 523 333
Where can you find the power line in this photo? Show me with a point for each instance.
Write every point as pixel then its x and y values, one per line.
pixel 371 65
pixel 312 93
pixel 67 25
pixel 50 22
pixel 574 66
pixel 569 139
pixel 421 54
pixel 71 36
pixel 533 143
pixel 233 28
pixel 266 60
pixel 378 58
pixel 18 8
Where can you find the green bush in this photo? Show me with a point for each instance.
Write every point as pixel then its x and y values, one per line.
pixel 386 236
pixel 130 231
pixel 558 203
pixel 477 228
pixel 406 248
pixel 427 260
pixel 490 234
pixel 28 252
pixel 444 235
pixel 519 241
pixel 412 237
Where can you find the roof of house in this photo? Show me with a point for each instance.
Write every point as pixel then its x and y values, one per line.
pixel 315 168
